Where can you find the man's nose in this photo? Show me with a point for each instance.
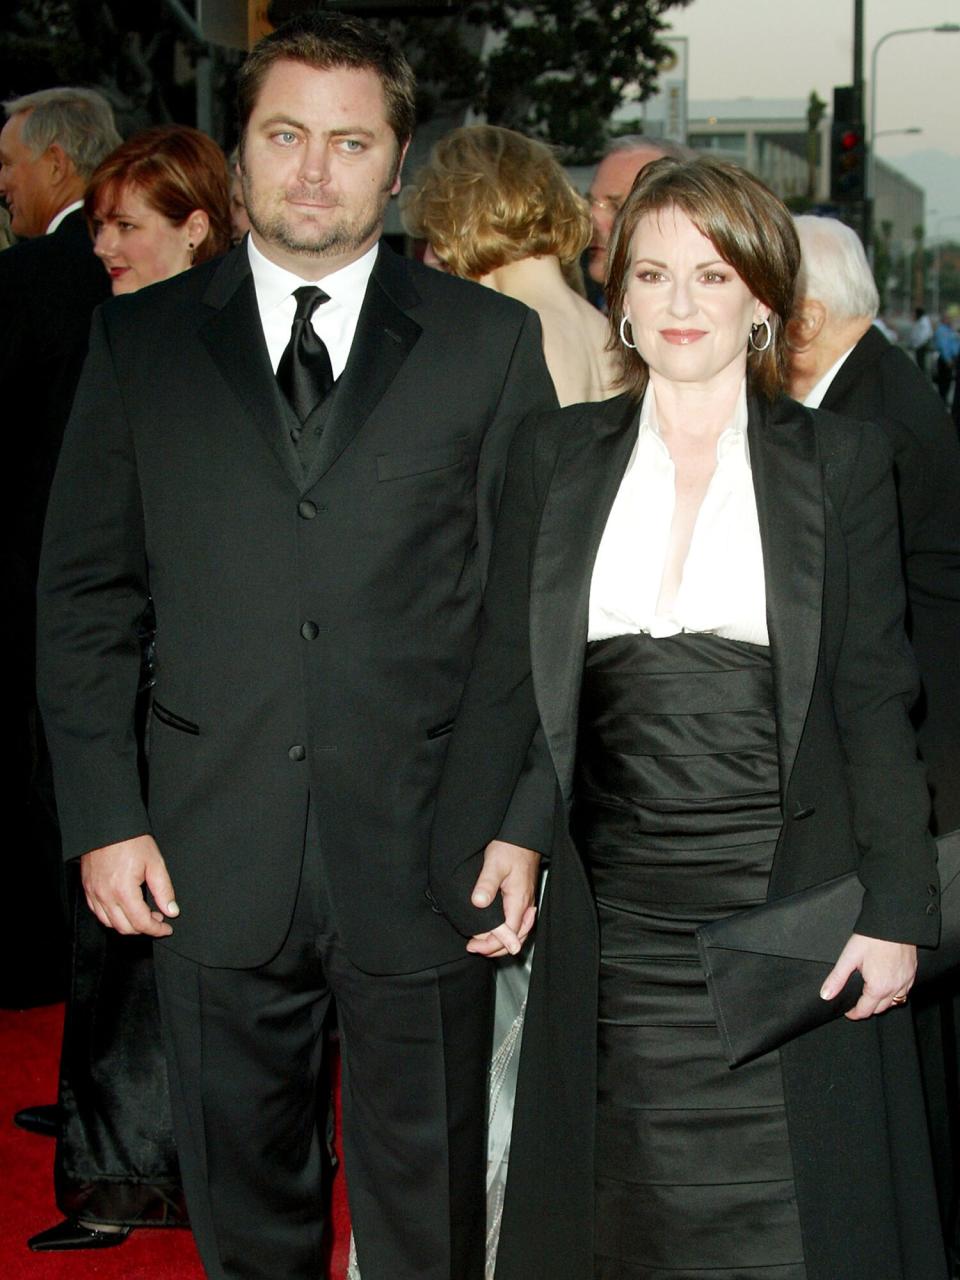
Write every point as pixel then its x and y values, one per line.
pixel 314 162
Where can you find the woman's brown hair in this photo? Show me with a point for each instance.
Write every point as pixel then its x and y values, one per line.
pixel 490 196
pixel 177 170
pixel 751 230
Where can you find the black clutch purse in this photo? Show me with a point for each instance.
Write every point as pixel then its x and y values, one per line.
pixel 765 966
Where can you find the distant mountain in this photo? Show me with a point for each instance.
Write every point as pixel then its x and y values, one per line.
pixel 938 173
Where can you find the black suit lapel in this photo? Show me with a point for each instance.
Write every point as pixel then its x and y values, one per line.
pixel 233 335
pixel 385 337
pixel 789 488
pixel 596 451
pixel 849 376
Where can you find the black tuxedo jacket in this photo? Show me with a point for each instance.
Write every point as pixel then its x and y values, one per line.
pixel 49 287
pixel 313 631
pixel 853 796
pixel 879 383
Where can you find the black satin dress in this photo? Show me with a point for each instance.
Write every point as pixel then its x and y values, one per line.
pixel 676 816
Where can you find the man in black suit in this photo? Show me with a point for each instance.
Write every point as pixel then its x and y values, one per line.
pixel 841 361
pixel 49 285
pixel 304 479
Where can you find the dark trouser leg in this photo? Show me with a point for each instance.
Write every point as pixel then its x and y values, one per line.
pixel 415 1056
pixel 244 1049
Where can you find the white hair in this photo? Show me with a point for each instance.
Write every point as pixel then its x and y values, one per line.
pixel 80 120
pixel 834 268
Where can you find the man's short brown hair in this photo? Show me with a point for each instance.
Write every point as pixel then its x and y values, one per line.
pixel 327 41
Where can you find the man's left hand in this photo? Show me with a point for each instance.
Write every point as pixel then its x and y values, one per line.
pixel 512 871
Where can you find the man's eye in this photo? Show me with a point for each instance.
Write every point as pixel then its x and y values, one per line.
pixel 353 145
pixel 285 136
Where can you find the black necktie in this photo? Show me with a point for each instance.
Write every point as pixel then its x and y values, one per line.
pixel 304 371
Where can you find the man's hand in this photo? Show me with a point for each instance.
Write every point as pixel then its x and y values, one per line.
pixel 112 881
pixel 888 970
pixel 512 871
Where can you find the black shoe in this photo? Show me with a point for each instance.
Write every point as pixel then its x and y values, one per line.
pixel 71 1235
pixel 44 1120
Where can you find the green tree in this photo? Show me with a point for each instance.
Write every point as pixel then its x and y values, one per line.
pixel 139 55
pixel 554 69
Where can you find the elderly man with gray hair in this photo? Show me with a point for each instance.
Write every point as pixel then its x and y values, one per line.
pixel 622 160
pixel 840 360
pixel 49 285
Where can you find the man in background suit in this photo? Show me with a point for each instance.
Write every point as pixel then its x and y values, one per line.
pixel 49 285
pixel 841 361
pixel 304 478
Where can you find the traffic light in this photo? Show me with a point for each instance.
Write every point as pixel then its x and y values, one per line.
pixel 848 161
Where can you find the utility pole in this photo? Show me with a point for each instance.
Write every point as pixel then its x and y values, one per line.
pixel 864 216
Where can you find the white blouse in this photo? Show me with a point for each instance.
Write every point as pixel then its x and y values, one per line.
pixel 722 589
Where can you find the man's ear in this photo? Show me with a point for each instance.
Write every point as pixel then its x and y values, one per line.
pixel 61 166
pixel 806 324
pixel 398 178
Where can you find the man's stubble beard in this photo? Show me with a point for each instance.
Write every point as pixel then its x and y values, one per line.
pixel 334 240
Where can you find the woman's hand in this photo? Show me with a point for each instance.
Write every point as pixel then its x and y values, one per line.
pixel 888 969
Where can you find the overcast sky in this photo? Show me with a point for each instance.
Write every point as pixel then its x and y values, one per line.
pixel 785 48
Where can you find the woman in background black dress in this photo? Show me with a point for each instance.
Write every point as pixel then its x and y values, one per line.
pixel 695 611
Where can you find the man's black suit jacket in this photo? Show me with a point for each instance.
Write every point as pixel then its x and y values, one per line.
pixel 879 383
pixel 313 632
pixel 49 288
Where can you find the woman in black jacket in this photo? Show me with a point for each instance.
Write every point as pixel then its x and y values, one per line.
pixel 694 639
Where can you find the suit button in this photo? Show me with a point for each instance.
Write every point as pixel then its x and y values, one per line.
pixel 307 509
pixel 932 890
pixel 931 909
pixel 297 752
pixel 802 811
pixel 309 631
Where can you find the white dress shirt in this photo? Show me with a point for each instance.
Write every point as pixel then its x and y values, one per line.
pixel 814 399
pixel 59 217
pixel 334 321
pixel 722 589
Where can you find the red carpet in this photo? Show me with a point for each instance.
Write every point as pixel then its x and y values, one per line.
pixel 29 1049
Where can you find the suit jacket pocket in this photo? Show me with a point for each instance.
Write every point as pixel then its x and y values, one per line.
pixel 172 720
pixel 394 466
pixel 441 730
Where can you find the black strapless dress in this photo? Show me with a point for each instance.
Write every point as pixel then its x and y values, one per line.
pixel 677 814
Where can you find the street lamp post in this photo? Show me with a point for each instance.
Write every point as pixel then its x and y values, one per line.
pixel 944 28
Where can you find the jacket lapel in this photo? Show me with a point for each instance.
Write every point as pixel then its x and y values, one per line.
pixel 594 456
pixel 385 337
pixel 788 484
pixel 855 368
pixel 233 335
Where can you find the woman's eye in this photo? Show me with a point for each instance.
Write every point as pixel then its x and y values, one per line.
pixel 650 277
pixel 714 277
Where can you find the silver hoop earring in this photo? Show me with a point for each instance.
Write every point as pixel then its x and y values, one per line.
pixel 763 324
pixel 632 345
